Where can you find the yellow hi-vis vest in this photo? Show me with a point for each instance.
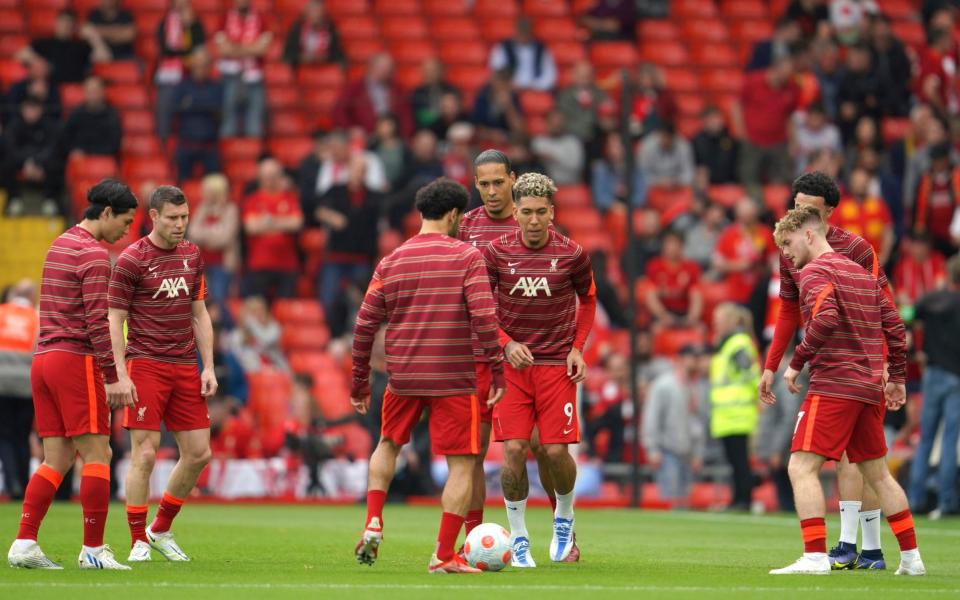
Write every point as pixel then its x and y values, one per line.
pixel 734 387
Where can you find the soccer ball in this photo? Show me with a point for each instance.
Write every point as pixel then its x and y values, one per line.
pixel 488 547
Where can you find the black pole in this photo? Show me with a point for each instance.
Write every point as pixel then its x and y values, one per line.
pixel 626 136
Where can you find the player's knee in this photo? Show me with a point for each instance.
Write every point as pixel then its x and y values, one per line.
pixel 555 452
pixel 200 459
pixel 798 469
pixel 516 450
pixel 144 456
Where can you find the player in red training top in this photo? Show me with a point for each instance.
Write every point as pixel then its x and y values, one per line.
pixel 71 363
pixel 158 289
pixel 537 277
pixel 858 503
pixel 849 318
pixel 434 295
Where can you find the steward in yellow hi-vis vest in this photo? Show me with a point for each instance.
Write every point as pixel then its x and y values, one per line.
pixel 734 380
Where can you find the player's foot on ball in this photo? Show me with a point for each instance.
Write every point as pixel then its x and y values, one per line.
pixel 574 551
pixel 842 557
pixel 806 565
pixel 870 563
pixel 99 558
pixel 167 546
pixel 140 552
pixel 454 564
pixel 521 556
pixel 911 567
pixel 562 542
pixel 368 546
pixel 461 553
pixel 26 554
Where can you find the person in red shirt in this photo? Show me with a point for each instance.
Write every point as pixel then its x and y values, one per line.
pixel 674 297
pixel 71 363
pixel 852 330
pixel 936 83
pixel 546 302
pixel 865 215
pixel 271 218
pixel 938 199
pixel 743 249
pixel 242 43
pixel 433 294
pixel 158 291
pixel 920 270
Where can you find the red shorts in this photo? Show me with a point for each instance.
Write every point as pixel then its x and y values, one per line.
pixel 541 395
pixel 829 426
pixel 168 392
pixel 68 395
pixel 454 421
pixel 484 379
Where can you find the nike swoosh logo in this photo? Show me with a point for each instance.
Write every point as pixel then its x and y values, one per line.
pixel 873 519
pixel 512 507
pixel 567 431
pixel 475 236
pixel 513 264
pixel 152 269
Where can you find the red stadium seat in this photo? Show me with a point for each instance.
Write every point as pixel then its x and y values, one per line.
pixel 613 54
pixel 137 121
pixel 71 96
pixel 91 167
pixel 305 337
pixel 446 8
pixel 704 30
pixel 595 241
pixel 544 8
pixel 240 172
pixel 573 196
pixel 412 51
pixel 714 293
pixel 558 29
pixel 650 30
pixel 292 150
pixel 11 71
pixel 147 22
pixel 534 103
pixel 123 71
pixel 290 123
pixel 579 218
pixel 298 311
pixel 672 54
pixel 278 74
pixel 128 96
pixel 146 167
pixel 396 7
pixel 726 195
pixel 192 189
pixel 454 28
pixel 722 80
pixel 312 362
pixel 357 26
pixel 320 76
pixel 690 105
pixel 11 43
pixel 339 8
pixel 776 198
pixel 659 198
pixel 356 440
pixel 360 50
pixel 466 52
pixel 496 29
pixel 32 5
pixel 910 33
pixel 40 22
pixel 668 342
pixel 141 145
pixel 750 31
pixel 404 28
pixel 681 79
pixel 714 55
pixel 692 9
pixel 147 49
pixel 499 9
pixel 737 10
pixel 468 79
pixel 319 104
pixel 567 53
pixel 269 398
pixel 294 7
pixel 241 148
pixel 688 127
pixel 283 97
pixel 900 10
pixel 11 21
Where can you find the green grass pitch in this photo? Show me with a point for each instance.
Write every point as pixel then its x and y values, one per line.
pixel 250 551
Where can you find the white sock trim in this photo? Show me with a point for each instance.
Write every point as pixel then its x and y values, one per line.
pixel 870 525
pixel 849 520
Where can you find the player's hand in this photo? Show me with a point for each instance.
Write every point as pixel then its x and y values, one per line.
pixel 519 355
pixel 208 383
pixel 121 394
pixel 895 395
pixel 766 387
pixel 576 367
pixel 790 376
pixel 361 404
pixel 496 394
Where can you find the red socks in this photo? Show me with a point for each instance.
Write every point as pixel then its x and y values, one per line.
pixel 814 533
pixel 169 507
pixel 375 501
pixel 36 500
pixel 902 526
pixel 474 518
pixel 450 525
pixel 95 499
pixel 137 520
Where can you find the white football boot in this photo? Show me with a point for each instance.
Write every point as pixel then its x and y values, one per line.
pixel 808 564
pixel 140 552
pixel 167 546
pixel 562 541
pixel 521 557
pixel 26 554
pixel 911 566
pixel 99 558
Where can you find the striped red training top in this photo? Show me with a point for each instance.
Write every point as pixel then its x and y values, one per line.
pixel 478 229
pixel 848 317
pixel 843 242
pixel 432 292
pixel 537 291
pixel 73 299
pixel 157 288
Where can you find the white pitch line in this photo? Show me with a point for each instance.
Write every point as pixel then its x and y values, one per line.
pixel 774 519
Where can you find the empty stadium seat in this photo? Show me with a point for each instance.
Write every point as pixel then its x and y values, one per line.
pixel 714 55
pixel 681 79
pixel 359 50
pixel 40 22
pixel 743 9
pixel 704 30
pixel 357 27
pixel 535 103
pixel 690 105
pixel 11 21
pixel 339 8
pixel 406 27
pixel 693 9
pixel 282 97
pixel 137 122
pixel 320 76
pixel 750 31
pixel 900 10
pixel 776 198
pixel 140 145
pixel 312 362
pixel 128 96
pixel 567 53
pixel 661 197
pixel 544 8
pixel 122 71
pixel 91 167
pixel 662 30
pixel 894 128
pixel 499 9
pixel 449 8
pixel 910 33
pixel 558 29
pixel 613 54
pixel 412 51
pixel 298 311
pixel 573 196
pixel 241 148
pixel 287 123
pixel 146 167
pixel 722 80
pixel 668 342
pixel 291 150
pixel 396 7
pixel 471 52
pixel 71 96
pixel 495 29
pixel 454 28
pixel 672 54
pixel 726 194
pixel 305 337
pixel 278 74
pixel 240 172
pixel 11 71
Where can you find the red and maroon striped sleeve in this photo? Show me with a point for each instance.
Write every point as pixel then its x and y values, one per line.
pixel 816 291
pixel 895 336
pixel 93 268
pixel 123 283
pixel 483 312
pixel 583 284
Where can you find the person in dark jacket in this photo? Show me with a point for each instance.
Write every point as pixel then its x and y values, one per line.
pixel 30 153
pixel 94 126
pixel 198 104
pixel 312 39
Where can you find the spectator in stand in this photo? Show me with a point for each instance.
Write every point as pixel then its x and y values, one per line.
pixel 666 158
pixel 424 167
pixel 866 137
pixel 391 150
pixel 271 220
pixel 938 199
pixel 451 113
pixel 458 156
pixel 811 132
pixel 350 213
pixel 94 126
pixel 892 65
pixel 526 58
pixel 701 240
pixel 829 72
pixel 608 176
pixel 930 132
pixel 813 16
pixel 37 84
pixel 646 244
pixel 522 158
pixel 579 101
pixel 920 270
pixel 178 35
pixel 115 27
pixel 786 32
pixel 673 436
pixel 850 19
pixel 560 151
pixel 653 103
pixel 607 294
pixel 939 313
pixel 335 166
pixel 606 406
pixel 242 44
pixel 70 52
pixel 744 250
pixel 496 109
pixel 374 95
pixel 715 150
pixel 215 227
pixel 425 100
pixel 31 157
pixel 307 174
pixel 256 339
pixel 866 215
pixel 673 294
pixel 761 119
pixel 313 39
pixel 611 20
pixel 860 91
pixel 197 105
pixel 936 83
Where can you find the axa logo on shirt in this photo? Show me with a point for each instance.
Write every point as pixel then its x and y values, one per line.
pixel 172 286
pixel 531 286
